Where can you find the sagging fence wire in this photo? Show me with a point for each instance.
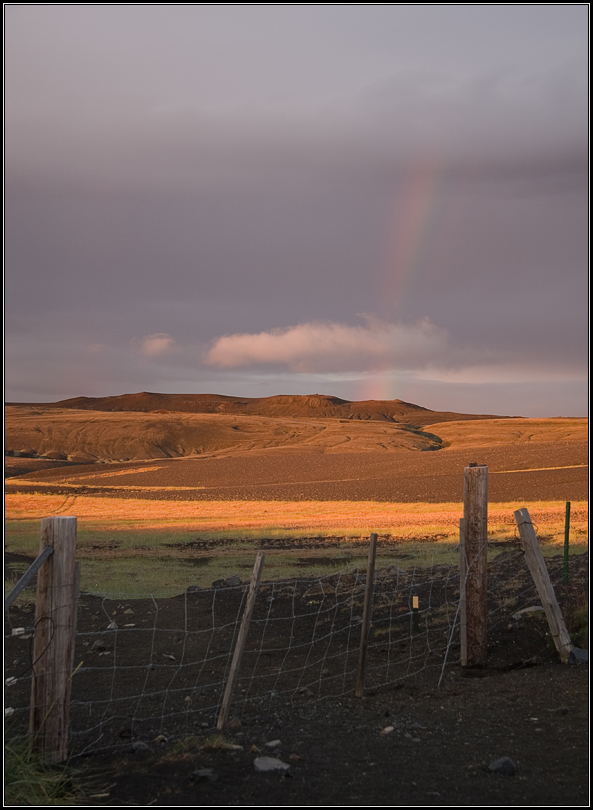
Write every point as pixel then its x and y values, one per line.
pixel 162 667
pixel 303 642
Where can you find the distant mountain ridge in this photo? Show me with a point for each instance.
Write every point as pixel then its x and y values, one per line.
pixel 290 405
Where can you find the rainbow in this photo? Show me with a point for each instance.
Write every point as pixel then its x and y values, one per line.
pixel 416 224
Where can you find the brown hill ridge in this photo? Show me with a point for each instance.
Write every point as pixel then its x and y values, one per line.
pixel 294 406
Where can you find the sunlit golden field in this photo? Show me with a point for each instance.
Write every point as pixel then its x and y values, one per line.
pixel 201 492
pixel 403 520
pixel 136 546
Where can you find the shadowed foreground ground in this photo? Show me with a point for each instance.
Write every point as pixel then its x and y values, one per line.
pixel 424 734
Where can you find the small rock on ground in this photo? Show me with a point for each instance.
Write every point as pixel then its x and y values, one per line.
pixel 578 656
pixel 263 764
pixel 504 766
pixel 205 773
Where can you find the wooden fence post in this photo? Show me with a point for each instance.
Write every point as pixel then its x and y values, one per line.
pixel 535 562
pixel 366 616
pixel 462 604
pixel 241 639
pixel 53 646
pixel 475 515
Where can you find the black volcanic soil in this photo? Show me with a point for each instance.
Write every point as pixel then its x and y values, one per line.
pixel 524 705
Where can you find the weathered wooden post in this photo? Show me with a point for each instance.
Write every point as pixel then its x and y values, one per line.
pixel 241 639
pixel 475 516
pixel 462 602
pixel 366 616
pixel 537 567
pixel 53 646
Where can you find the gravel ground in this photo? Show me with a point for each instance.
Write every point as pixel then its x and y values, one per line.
pixel 409 741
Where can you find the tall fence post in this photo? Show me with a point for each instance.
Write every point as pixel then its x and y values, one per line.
pixel 53 646
pixel 241 639
pixel 475 515
pixel 462 603
pixel 366 616
pixel 537 567
pixel 566 541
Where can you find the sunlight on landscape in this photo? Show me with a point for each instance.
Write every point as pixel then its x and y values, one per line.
pixel 401 519
pixel 126 544
pixel 288 475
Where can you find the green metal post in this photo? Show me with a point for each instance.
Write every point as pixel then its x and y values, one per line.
pixel 566 536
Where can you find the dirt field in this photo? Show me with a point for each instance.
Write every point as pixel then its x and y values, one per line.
pixel 531 471
pixel 409 741
pixel 298 450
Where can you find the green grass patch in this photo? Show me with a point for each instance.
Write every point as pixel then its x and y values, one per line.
pixel 131 561
pixel 22 537
pixel 136 577
pixel 27 781
pixel 24 599
pixel 131 577
pixel 579 627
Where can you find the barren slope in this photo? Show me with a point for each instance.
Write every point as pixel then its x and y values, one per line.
pixel 248 457
pixel 117 436
pixel 309 406
pixel 496 432
pixel 534 471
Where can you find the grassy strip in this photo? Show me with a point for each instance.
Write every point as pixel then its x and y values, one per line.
pixel 126 545
pixel 139 577
pixel 124 576
pixel 28 782
pixel 578 626
pixel 154 518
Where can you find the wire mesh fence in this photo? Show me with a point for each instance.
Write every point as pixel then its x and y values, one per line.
pixel 149 667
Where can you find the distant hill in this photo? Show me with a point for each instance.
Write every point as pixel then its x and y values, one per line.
pixel 304 406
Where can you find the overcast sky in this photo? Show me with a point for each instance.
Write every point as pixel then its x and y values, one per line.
pixel 371 201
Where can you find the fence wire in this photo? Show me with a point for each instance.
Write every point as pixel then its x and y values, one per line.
pixel 149 667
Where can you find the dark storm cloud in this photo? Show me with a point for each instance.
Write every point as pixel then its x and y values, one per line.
pixel 197 172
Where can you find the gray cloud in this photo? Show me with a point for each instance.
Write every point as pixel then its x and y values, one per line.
pixel 192 172
pixel 491 127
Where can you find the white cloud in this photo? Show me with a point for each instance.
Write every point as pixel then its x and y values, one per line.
pixel 332 347
pixel 156 345
pixel 423 350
